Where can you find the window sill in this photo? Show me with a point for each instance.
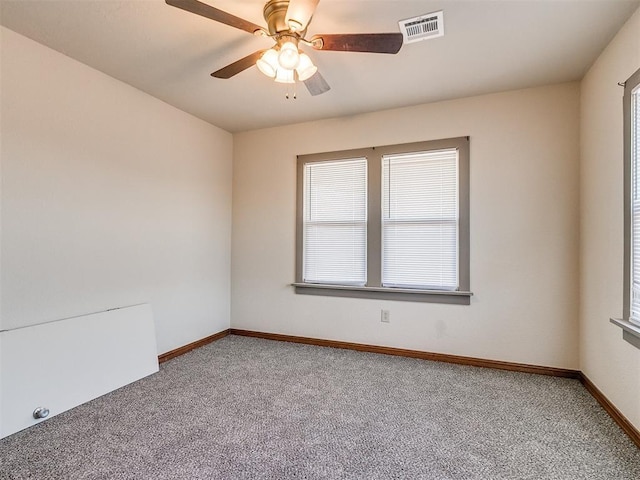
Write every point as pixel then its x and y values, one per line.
pixel 383 293
pixel 630 331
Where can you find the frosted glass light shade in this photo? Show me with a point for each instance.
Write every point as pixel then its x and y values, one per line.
pixel 306 69
pixel 284 76
pixel 268 63
pixel 288 57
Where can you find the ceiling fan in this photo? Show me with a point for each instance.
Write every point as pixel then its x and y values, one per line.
pixel 288 21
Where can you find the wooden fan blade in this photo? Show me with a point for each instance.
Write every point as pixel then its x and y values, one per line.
pixel 359 42
pixel 299 13
pixel 208 11
pixel 239 66
pixel 317 84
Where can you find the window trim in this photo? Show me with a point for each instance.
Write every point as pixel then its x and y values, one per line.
pixel 374 288
pixel 631 330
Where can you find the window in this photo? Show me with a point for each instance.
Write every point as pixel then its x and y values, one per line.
pixel 386 222
pixel 335 222
pixel 420 220
pixel 630 322
pixel 634 160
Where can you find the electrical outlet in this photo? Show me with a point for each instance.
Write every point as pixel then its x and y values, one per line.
pixel 385 316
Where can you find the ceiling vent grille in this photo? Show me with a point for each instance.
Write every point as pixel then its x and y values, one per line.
pixel 423 27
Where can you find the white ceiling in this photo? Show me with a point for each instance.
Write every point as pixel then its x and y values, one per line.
pixel 489 46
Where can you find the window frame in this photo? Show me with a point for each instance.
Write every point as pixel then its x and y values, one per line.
pixel 631 330
pixel 373 288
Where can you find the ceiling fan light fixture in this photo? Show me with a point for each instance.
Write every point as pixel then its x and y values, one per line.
pixel 306 69
pixel 284 75
pixel 268 63
pixel 287 22
pixel 289 57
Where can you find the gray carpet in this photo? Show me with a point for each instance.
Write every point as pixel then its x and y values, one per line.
pixel 257 409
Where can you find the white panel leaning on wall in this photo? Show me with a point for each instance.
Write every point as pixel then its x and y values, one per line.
pixel 52 367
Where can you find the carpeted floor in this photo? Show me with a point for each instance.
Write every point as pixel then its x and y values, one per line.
pixel 257 409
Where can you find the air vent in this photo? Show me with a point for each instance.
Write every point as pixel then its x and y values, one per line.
pixel 423 27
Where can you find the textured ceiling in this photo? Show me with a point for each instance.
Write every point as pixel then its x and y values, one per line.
pixel 488 46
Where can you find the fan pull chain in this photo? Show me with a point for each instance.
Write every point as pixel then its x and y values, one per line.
pixel 295 95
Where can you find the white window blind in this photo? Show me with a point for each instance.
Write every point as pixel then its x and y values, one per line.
pixel 420 220
pixel 635 205
pixel 335 222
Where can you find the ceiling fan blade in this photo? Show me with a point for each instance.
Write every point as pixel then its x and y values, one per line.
pixel 359 42
pixel 299 13
pixel 239 66
pixel 317 84
pixel 199 8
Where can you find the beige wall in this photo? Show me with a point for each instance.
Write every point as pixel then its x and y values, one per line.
pixel 611 363
pixel 109 198
pixel 524 230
